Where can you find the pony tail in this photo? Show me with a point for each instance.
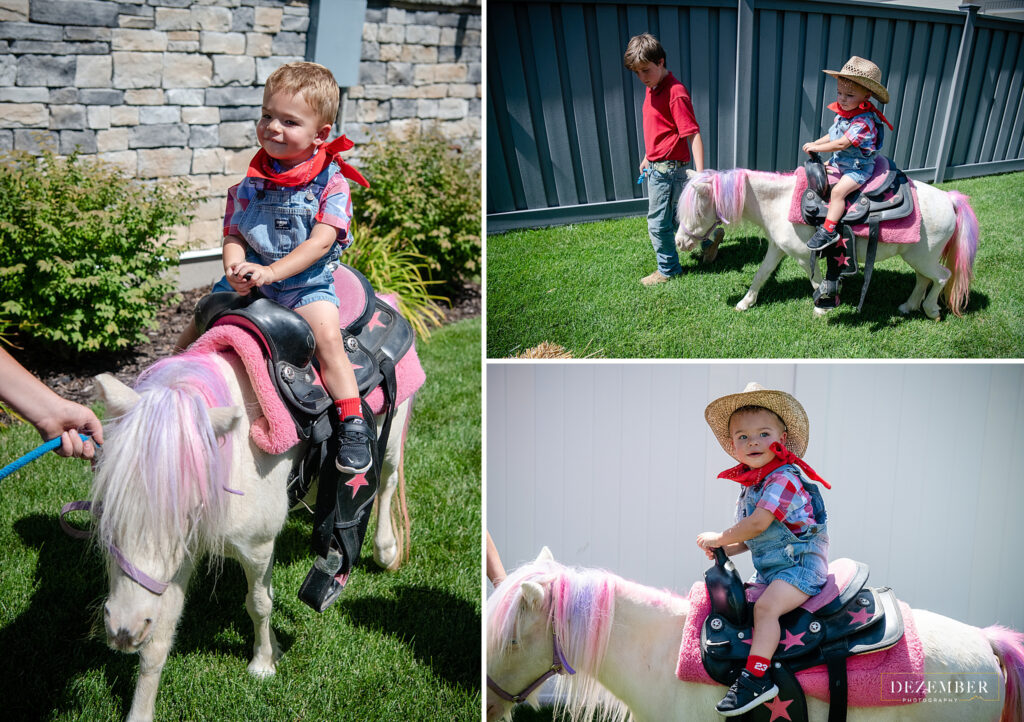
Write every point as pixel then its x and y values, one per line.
pixel 1008 646
pixel 958 255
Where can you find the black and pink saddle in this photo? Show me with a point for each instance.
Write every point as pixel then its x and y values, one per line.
pixel 886 196
pixel 846 618
pixel 376 338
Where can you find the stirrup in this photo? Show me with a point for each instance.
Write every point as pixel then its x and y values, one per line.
pixel 323 585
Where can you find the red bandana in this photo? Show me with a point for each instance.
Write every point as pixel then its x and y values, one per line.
pixel 262 166
pixel 866 107
pixel 746 476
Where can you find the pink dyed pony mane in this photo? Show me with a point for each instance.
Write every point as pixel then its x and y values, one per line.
pixel 728 194
pixel 163 480
pixel 580 610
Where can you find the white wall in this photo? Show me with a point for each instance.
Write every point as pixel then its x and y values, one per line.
pixel 612 465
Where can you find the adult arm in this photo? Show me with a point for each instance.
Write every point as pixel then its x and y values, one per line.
pixel 52 415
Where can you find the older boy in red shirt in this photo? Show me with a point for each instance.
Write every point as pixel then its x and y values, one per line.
pixel 669 125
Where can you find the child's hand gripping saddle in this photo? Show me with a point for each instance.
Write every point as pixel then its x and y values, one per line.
pixel 375 341
pixel 845 619
pixel 887 199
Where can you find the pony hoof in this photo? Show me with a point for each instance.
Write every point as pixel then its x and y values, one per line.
pixel 261 670
pixel 821 312
pixel 933 313
pixel 905 309
pixel 387 557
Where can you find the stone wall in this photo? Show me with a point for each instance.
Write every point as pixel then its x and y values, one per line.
pixel 171 88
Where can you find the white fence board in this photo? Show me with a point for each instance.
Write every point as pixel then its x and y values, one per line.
pixel 613 466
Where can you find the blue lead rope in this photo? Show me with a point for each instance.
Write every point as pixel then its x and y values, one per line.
pixel 33 455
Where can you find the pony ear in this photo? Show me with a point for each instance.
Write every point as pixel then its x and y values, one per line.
pixel 545 555
pixel 533 594
pixel 118 398
pixel 224 419
pixel 690 173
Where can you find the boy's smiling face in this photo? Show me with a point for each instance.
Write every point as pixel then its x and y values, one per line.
pixel 289 129
pixel 752 432
pixel 651 74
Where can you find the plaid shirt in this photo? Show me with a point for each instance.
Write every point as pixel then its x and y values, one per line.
pixel 862 132
pixel 335 206
pixel 783 494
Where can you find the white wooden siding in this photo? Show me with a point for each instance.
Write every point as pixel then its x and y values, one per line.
pixel 611 465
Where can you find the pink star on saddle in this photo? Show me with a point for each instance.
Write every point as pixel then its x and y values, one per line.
pixel 860 617
pixel 375 321
pixel 356 483
pixel 841 243
pixel 778 708
pixel 843 260
pixel 793 640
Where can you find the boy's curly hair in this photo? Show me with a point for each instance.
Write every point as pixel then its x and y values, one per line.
pixel 641 49
pixel 316 83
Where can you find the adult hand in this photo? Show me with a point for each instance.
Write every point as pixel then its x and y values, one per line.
pixel 52 415
pixel 67 419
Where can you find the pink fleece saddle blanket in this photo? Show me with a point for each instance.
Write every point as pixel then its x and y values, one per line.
pixel 274 431
pixel 870 676
pixel 903 230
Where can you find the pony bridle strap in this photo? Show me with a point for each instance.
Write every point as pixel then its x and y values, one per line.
pixel 559 665
pixel 133 572
pixel 719 222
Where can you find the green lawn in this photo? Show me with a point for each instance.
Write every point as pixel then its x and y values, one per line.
pixel 399 645
pixel 578 286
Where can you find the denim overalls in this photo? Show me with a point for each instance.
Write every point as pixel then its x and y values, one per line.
pixel 777 552
pixel 273 225
pixel 852 161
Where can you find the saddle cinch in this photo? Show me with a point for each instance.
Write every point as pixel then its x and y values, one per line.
pixel 889 200
pixel 842 621
pixel 374 340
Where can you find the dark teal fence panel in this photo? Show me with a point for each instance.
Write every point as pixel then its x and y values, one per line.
pixel 564 139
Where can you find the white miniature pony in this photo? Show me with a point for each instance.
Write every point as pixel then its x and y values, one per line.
pixel 622 640
pixel 179 478
pixel 949 233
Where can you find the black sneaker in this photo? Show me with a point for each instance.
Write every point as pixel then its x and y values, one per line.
pixel 746 693
pixel 822 239
pixel 354 441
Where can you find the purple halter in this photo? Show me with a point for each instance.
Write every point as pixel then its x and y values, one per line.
pixel 133 572
pixel 707 234
pixel 559 665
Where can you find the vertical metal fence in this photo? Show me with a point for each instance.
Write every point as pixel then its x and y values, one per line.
pixel 563 115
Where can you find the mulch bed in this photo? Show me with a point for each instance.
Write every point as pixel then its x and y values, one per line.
pixel 74 379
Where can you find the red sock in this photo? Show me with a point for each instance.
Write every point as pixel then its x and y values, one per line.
pixel 757 666
pixel 349 407
pixel 828 225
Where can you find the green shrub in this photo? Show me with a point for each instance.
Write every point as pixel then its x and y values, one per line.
pixel 390 269
pixel 84 250
pixel 429 194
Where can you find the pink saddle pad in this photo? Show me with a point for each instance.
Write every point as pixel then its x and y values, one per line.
pixel 869 675
pixel 274 431
pixel 902 230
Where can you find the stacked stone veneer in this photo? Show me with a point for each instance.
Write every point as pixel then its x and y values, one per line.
pixel 172 88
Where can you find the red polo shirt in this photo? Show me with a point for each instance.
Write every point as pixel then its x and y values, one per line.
pixel 668 121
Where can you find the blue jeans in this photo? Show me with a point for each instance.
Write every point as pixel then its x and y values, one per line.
pixel 663 191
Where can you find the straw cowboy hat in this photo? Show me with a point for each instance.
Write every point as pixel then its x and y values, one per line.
pixel 788 409
pixel 865 74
